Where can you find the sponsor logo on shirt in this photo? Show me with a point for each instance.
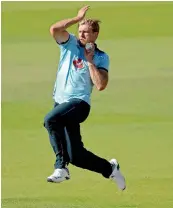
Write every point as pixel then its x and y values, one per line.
pixel 78 63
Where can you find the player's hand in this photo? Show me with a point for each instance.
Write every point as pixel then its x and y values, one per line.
pixel 89 54
pixel 82 12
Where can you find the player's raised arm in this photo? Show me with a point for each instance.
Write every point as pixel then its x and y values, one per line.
pixel 58 30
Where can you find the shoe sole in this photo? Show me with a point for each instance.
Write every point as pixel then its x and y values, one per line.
pixel 124 183
pixel 115 162
pixel 52 181
pixel 123 178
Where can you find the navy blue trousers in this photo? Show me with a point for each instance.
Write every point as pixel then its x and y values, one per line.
pixel 63 126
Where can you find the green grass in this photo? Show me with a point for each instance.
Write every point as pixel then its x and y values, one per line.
pixel 131 120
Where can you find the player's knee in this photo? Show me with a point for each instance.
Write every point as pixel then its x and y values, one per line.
pixel 52 120
pixel 48 121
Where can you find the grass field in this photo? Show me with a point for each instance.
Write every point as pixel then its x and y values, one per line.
pixel 131 120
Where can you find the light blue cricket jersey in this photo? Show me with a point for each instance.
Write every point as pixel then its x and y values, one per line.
pixel 73 77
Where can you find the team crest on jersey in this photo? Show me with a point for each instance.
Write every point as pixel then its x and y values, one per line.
pixel 78 63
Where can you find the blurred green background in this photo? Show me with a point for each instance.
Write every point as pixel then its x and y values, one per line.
pixel 132 120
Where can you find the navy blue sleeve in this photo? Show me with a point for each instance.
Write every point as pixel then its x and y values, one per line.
pixel 104 62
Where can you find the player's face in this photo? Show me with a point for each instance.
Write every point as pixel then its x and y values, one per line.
pixel 86 34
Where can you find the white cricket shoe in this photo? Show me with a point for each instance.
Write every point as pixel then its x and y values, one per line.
pixel 59 175
pixel 117 175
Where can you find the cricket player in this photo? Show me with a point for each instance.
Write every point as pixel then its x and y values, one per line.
pixel 81 66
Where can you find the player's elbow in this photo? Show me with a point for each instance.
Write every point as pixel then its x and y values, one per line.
pixel 101 87
pixel 52 30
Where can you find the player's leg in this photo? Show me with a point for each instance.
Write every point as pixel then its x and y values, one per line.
pixel 81 157
pixel 57 137
pixel 70 115
pixel 55 122
pixel 56 133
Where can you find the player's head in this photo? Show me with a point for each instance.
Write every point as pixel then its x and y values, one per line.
pixel 88 30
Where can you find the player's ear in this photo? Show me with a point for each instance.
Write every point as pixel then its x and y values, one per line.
pixel 96 34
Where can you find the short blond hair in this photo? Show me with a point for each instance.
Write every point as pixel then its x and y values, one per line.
pixel 93 23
